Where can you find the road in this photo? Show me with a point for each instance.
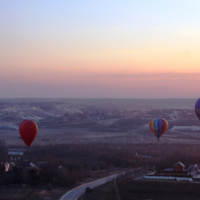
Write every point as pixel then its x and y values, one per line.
pixel 76 192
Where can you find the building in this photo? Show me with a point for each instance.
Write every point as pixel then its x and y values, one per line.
pixel 16 154
pixel 34 168
pixel 185 128
pixel 179 167
pixel 196 177
pixel 178 173
pixel 193 169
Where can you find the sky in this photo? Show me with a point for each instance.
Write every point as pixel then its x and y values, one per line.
pixel 99 49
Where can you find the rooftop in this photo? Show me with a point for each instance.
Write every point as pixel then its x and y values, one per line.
pixel 179 163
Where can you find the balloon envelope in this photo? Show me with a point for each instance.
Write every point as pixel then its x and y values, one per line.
pixel 28 130
pixel 197 108
pixel 158 126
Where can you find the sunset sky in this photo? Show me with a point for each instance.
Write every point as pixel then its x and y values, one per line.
pixel 99 49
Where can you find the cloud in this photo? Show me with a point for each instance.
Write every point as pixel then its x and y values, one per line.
pixel 147 76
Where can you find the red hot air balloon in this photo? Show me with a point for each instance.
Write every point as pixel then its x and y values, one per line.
pixel 28 130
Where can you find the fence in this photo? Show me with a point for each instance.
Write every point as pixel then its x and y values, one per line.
pixel 168 178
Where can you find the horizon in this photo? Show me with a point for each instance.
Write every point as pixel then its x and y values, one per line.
pixel 17 98
pixel 135 103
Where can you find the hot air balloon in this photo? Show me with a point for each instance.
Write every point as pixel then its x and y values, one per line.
pixel 197 108
pixel 158 126
pixel 28 130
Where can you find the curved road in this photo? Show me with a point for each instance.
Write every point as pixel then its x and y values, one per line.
pixel 76 192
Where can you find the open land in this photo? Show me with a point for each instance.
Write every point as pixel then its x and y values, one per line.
pixel 143 190
pixel 98 136
pixel 80 136
pixel 65 121
pixel 39 193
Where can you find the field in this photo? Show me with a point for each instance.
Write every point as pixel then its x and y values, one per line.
pixel 143 190
pixel 39 193
pixel 82 136
pixel 106 192
pixel 120 121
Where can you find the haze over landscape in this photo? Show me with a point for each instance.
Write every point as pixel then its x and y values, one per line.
pixel 65 121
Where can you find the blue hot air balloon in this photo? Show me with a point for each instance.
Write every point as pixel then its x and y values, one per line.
pixel 197 108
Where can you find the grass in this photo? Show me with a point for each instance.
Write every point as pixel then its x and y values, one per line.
pixel 103 192
pixel 145 189
pixel 142 190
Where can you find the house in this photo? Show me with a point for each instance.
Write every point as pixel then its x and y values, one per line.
pixel 193 169
pixel 6 166
pixel 34 168
pixel 179 167
pixel 16 154
pixel 178 173
pixel 196 177
pixel 31 167
pixel 185 128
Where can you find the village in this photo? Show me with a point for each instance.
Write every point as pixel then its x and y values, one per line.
pixel 19 159
pixel 178 173
pixel 77 144
pixel 54 168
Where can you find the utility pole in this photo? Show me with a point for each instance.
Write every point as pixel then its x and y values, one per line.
pixel 117 191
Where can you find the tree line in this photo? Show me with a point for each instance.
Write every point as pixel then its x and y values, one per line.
pixel 66 164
